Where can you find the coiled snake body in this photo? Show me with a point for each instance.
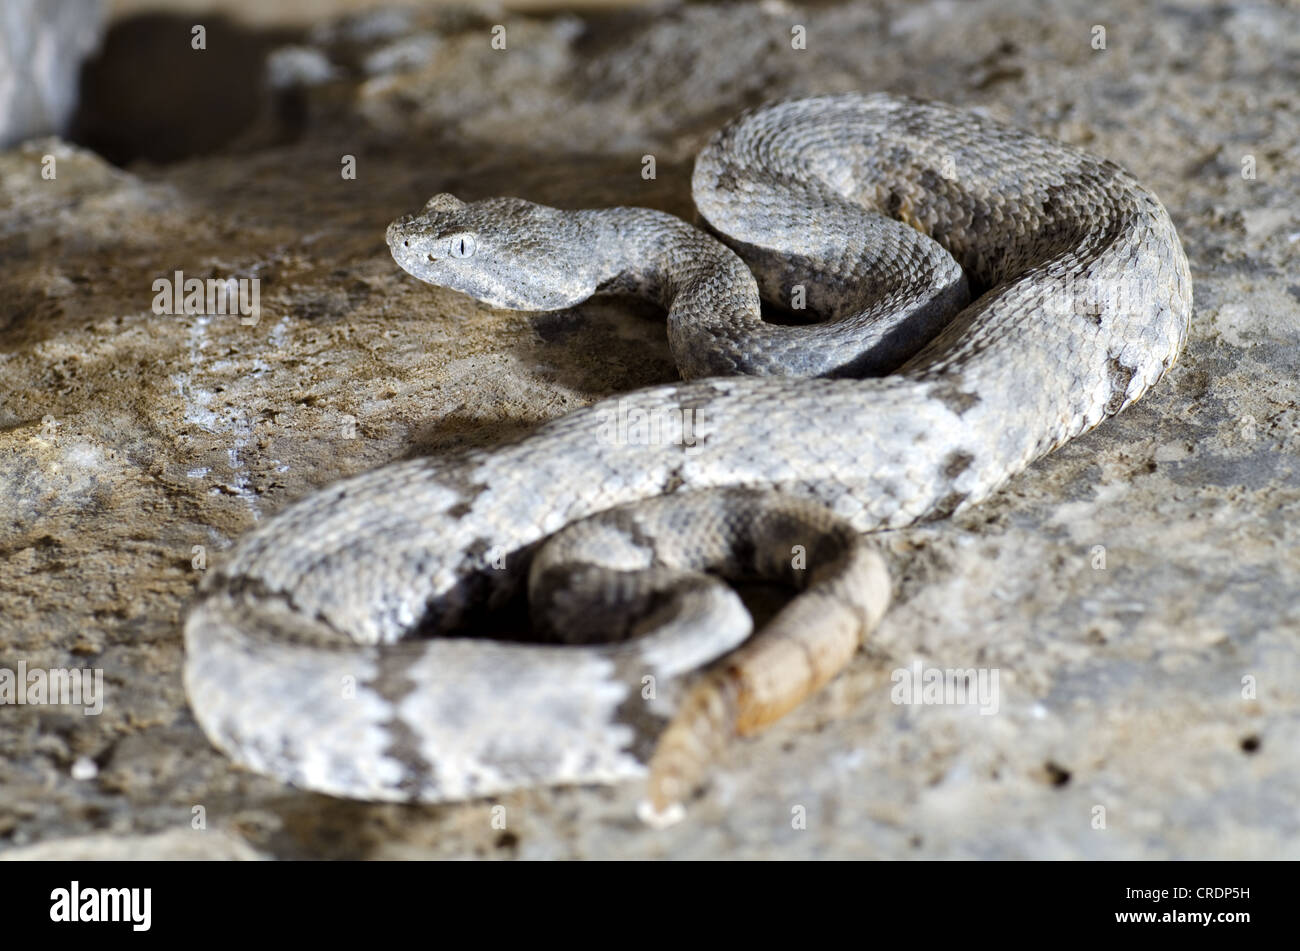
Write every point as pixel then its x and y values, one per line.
pixel 307 652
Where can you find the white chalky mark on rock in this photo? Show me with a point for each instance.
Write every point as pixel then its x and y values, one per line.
pixel 198 411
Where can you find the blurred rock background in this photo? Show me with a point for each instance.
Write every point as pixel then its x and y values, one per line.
pixel 42 46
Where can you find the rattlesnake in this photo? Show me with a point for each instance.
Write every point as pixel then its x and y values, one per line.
pixel 308 652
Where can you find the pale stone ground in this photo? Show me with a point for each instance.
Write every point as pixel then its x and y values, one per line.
pixel 128 438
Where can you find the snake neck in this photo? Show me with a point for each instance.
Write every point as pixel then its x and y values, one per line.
pixel 656 256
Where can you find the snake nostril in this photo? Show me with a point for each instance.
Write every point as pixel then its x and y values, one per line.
pixel 430 257
pixel 406 244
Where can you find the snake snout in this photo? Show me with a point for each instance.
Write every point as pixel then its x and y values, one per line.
pixel 409 245
pixel 396 235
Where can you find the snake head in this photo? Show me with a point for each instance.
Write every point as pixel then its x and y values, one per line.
pixel 505 252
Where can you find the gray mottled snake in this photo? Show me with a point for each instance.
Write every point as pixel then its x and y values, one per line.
pixel 311 653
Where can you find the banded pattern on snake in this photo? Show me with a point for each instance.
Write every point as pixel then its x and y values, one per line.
pixel 310 653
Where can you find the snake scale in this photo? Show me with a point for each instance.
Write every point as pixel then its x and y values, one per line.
pixel 984 295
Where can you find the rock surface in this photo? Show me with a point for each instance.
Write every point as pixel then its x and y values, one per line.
pixel 1136 591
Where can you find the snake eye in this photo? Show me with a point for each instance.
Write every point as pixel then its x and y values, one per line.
pixel 460 245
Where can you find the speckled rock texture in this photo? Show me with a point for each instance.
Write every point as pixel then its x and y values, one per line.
pixel 1136 592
